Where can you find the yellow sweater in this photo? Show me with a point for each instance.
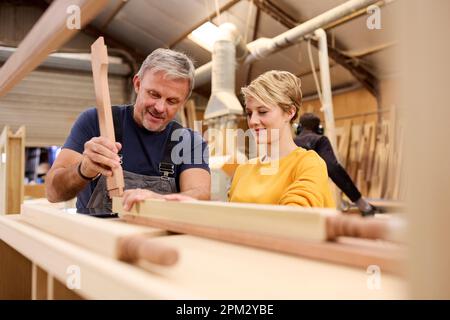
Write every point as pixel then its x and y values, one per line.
pixel 300 179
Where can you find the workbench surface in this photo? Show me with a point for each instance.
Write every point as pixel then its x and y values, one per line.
pixel 207 269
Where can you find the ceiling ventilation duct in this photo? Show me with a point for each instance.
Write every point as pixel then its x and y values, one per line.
pixel 227 48
pixel 224 110
pixel 261 48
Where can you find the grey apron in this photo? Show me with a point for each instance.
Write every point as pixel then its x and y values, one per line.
pixel 163 184
pixel 160 184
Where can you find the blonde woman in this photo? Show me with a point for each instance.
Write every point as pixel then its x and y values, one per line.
pixel 272 102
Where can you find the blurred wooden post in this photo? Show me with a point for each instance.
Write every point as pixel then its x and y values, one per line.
pixel 424 103
pixel 12 170
pixel 190 114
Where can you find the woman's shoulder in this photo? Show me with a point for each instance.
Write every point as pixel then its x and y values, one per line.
pixel 304 154
pixel 307 157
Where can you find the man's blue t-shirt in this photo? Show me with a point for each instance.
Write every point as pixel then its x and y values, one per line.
pixel 136 141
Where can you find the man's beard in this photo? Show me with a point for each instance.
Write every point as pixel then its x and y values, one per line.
pixel 147 124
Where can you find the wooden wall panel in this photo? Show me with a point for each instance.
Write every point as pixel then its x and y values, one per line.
pixel 15 274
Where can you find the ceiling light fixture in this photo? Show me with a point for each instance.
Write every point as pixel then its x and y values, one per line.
pixel 205 35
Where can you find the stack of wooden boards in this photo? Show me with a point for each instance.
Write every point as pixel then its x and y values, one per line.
pixel 372 156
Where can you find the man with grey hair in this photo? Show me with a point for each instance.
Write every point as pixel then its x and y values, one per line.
pixel 144 148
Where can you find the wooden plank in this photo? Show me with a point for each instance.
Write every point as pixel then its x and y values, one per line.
pixel 359 156
pixel 34 190
pixel 396 132
pixel 39 283
pixel 375 183
pixel 279 228
pixel 48 34
pixel 385 154
pixel 352 161
pixel 360 183
pixel 112 238
pixel 190 114
pixel 3 172
pixel 317 224
pixel 61 292
pixel 391 165
pixel 370 154
pixel 221 270
pixel 389 205
pixel 50 284
pixel 101 278
pixel 15 273
pixel 361 145
pixel 281 220
pixel 16 171
pixel 379 165
pixel 399 173
pixel 12 170
pixel 114 184
pixel 343 149
pixel 365 157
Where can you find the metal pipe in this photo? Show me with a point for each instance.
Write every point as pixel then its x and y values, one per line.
pixel 327 98
pixel 327 95
pixel 223 100
pixel 262 47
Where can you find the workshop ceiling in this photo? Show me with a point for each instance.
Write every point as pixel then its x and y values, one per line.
pixel 144 25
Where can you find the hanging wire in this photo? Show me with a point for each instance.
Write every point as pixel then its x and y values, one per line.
pixel 313 68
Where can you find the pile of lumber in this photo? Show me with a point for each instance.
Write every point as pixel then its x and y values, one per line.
pixel 372 156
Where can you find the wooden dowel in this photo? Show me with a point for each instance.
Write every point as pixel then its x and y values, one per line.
pixel 133 248
pixel 114 239
pixel 356 227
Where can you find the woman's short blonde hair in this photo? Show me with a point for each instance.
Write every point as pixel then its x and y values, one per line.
pixel 277 88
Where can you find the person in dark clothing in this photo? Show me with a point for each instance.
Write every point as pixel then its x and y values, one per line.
pixel 310 137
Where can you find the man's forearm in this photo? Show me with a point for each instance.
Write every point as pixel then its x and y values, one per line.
pixel 200 193
pixel 64 184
